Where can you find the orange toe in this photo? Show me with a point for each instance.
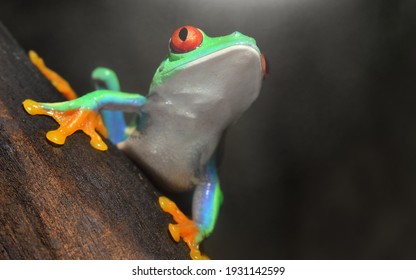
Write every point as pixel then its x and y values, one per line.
pixel 184 228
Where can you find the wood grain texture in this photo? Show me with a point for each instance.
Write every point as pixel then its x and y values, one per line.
pixel 71 201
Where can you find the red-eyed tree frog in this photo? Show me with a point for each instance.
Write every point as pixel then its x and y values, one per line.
pixel 200 89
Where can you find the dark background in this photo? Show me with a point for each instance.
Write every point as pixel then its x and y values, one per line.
pixel 323 166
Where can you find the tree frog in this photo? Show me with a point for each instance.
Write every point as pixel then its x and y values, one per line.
pixel 200 89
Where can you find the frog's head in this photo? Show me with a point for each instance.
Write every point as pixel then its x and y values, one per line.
pixel 210 72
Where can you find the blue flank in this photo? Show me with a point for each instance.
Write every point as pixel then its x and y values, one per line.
pixel 210 201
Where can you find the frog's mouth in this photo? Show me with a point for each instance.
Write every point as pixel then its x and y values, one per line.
pixel 233 71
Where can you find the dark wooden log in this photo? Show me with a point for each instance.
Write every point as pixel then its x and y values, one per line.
pixel 71 201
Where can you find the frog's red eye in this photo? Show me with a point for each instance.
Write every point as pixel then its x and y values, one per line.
pixel 265 66
pixel 185 39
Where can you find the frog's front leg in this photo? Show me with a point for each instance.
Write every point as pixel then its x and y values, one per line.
pixel 207 200
pixel 83 113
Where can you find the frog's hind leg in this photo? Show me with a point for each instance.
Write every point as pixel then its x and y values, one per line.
pixel 207 200
pixel 57 81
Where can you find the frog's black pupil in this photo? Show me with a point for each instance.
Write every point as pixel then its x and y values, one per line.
pixel 183 34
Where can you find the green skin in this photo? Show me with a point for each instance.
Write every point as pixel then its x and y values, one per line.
pixel 176 61
pixel 168 68
pixel 207 197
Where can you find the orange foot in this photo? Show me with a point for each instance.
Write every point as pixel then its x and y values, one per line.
pixel 185 228
pixel 69 122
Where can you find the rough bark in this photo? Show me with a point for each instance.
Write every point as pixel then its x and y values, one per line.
pixel 71 201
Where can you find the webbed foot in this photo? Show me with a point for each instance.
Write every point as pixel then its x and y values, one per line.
pixel 70 121
pixel 184 228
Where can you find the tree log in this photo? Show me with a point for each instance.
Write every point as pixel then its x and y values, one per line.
pixel 71 201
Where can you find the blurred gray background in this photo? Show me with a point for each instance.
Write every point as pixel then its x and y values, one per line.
pixel 323 166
